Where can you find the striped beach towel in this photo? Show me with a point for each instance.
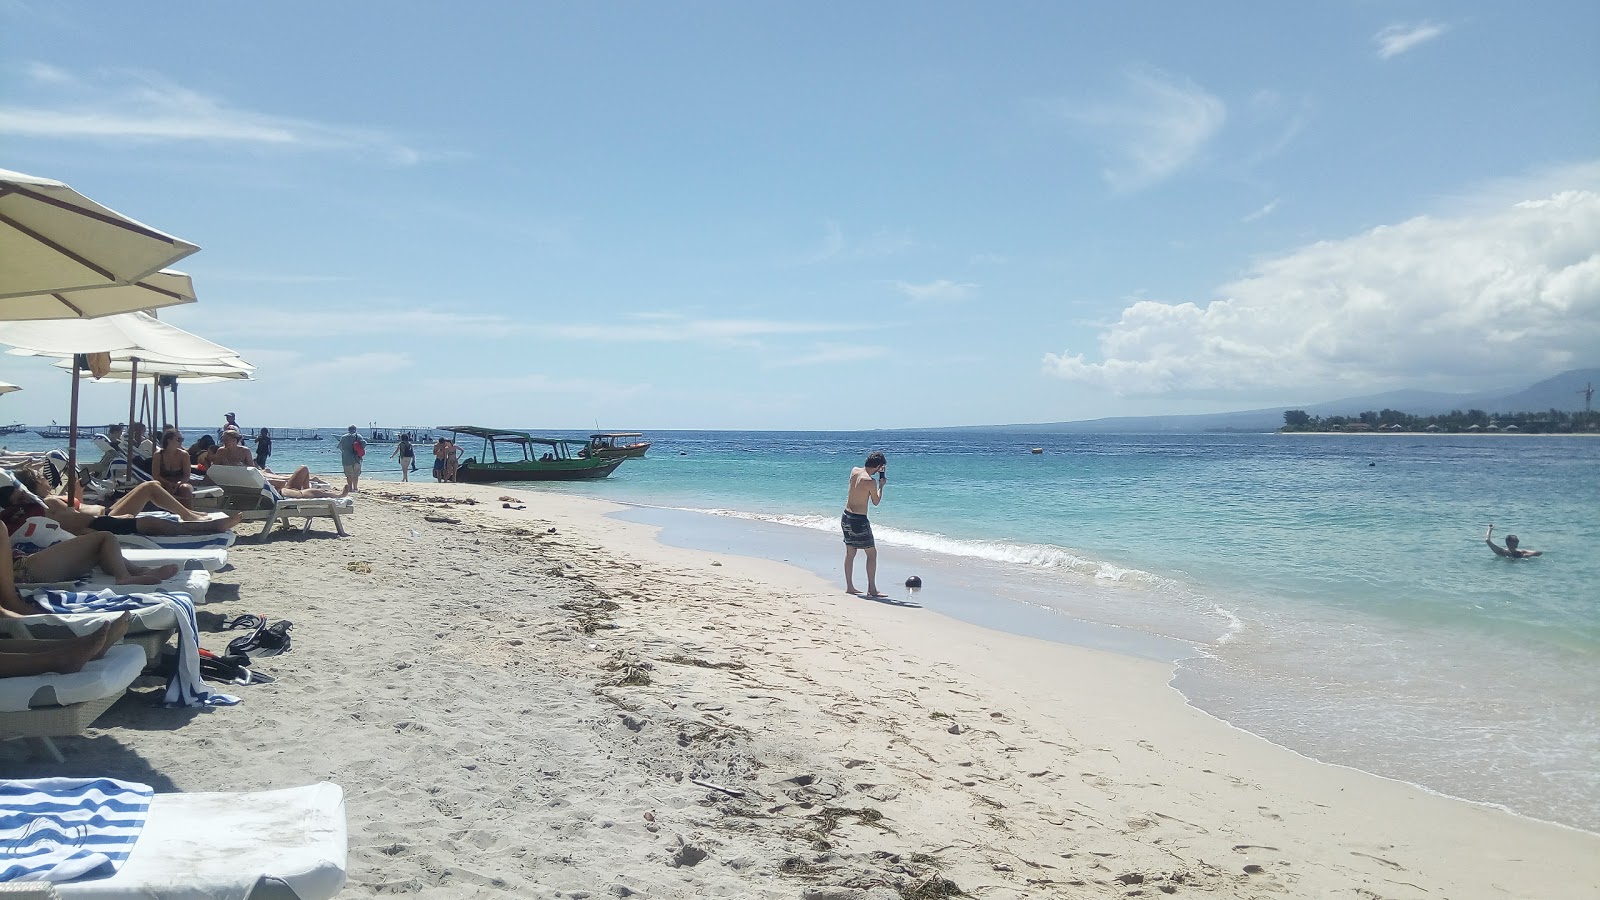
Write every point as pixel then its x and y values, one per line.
pixel 186 687
pixel 58 829
pixel 219 541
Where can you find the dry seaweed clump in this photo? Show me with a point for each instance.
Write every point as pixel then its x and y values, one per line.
pixel 930 887
pixel 680 659
pixel 630 672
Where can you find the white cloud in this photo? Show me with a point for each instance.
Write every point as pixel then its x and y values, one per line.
pixel 138 106
pixel 1262 213
pixel 836 247
pixel 1158 125
pixel 349 368
pixel 1396 39
pixel 941 291
pixel 254 319
pixel 666 329
pixel 826 354
pixel 1428 302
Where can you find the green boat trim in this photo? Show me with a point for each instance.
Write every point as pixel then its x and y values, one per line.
pixel 531 458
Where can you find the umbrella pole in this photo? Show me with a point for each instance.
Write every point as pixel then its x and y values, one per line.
pixel 174 403
pixel 72 435
pixel 133 396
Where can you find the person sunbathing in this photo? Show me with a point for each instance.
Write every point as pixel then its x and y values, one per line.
pixel 68 560
pixel 173 466
pixel 232 452
pixel 63 656
pixel 126 521
pixel 301 485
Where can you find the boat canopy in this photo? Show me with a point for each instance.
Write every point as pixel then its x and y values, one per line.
pixel 501 434
pixel 615 434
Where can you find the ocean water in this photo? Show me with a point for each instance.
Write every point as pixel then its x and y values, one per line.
pixel 1329 593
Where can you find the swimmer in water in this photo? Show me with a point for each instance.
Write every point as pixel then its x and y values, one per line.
pixel 1510 550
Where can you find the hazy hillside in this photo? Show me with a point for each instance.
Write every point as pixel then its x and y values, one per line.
pixel 1559 392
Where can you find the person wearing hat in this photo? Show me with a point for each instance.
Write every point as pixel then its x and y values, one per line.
pixel 231 423
pixel 351 449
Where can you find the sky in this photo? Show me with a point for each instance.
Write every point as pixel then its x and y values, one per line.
pixel 782 215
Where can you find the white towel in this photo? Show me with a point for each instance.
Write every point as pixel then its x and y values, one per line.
pixel 58 829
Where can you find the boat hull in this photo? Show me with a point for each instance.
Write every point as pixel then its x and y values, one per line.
pixel 560 470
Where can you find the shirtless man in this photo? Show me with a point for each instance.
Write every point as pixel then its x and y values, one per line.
pixel 232 452
pixel 441 449
pixel 123 517
pixel 1510 550
pixel 866 487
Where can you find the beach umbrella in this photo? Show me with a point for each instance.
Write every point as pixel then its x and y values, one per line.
pixel 167 287
pixel 55 240
pixel 7 387
pixel 132 336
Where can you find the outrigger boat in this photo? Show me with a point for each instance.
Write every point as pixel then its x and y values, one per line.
pixel 520 456
pixel 605 446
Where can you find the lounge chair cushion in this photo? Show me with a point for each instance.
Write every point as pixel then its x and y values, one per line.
pixel 230 846
pixel 110 674
pixel 156 617
pixel 210 560
pixel 194 582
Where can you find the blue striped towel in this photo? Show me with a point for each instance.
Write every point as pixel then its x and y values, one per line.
pixel 58 829
pixel 186 687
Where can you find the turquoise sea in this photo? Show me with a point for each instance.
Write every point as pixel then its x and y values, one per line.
pixel 1332 594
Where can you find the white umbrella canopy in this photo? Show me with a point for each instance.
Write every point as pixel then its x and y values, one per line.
pixel 54 239
pixel 122 370
pixel 131 336
pixel 167 287
pixel 7 387
pixel 135 335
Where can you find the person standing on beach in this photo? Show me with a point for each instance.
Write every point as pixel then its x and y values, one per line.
pixel 441 448
pixel 351 449
pixel 407 454
pixel 263 448
pixel 866 488
pixel 1510 550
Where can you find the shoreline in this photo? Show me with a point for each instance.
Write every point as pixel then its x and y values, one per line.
pixel 514 709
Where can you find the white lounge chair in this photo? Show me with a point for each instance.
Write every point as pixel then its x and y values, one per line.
pixel 51 706
pixel 150 627
pixel 194 582
pixel 288 844
pixel 246 491
pixel 210 560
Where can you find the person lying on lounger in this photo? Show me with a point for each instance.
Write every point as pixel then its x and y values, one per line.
pixel 301 485
pixel 68 560
pixel 123 516
pixel 63 656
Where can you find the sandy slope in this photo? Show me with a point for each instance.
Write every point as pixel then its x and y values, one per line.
pixel 515 712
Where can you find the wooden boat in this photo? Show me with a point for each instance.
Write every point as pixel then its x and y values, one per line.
pixel 520 456
pixel 604 445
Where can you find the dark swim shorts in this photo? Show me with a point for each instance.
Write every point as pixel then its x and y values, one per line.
pixel 857 530
pixel 438 468
pixel 115 525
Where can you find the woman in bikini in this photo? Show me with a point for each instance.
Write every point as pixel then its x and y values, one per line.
pixel 173 466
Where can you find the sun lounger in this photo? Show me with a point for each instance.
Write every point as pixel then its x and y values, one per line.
pixel 265 845
pixel 210 560
pixel 194 582
pixel 218 541
pixel 50 706
pixel 286 844
pixel 246 491
pixel 149 627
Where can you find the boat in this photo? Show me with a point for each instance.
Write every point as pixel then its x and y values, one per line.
pixel 520 456
pixel 13 429
pixel 54 432
pixel 604 445
pixel 417 433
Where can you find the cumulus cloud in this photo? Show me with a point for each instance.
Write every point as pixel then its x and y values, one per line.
pixel 1431 301
pixel 1153 128
pixel 1396 39
pixel 136 106
pixel 940 291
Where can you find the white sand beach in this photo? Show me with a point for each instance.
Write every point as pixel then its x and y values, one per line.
pixel 546 702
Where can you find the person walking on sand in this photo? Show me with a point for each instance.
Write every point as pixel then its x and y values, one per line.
pixel 866 488
pixel 407 455
pixel 351 449
pixel 1510 550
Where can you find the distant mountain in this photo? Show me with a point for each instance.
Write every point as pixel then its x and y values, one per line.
pixel 1560 392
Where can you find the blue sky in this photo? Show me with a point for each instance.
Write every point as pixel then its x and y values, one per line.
pixel 783 215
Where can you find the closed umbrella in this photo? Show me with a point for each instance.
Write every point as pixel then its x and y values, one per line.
pixel 130 336
pixel 54 239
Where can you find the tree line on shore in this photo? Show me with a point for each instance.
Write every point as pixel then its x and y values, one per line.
pixel 1553 421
